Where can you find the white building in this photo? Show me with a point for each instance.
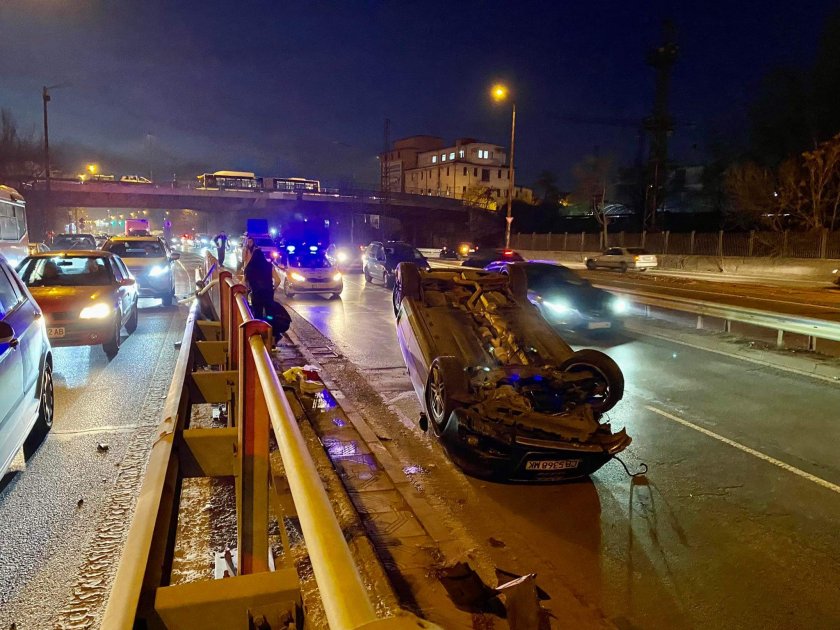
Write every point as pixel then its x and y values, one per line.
pixel 469 169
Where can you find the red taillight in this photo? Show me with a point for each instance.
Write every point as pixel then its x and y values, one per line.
pixel 507 252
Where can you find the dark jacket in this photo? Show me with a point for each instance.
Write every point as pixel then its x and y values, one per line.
pixel 258 273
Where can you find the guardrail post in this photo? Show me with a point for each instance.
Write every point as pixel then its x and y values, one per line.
pixel 780 338
pixel 720 243
pixel 224 303
pixel 234 321
pixel 665 244
pixel 751 245
pixel 581 241
pixel 691 243
pixel 253 458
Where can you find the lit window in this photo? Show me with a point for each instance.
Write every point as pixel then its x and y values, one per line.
pixel 434 159
pixel 443 157
pixel 452 155
pixel 461 153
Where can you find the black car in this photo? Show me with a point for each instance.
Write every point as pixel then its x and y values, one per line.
pixel 568 301
pixel 380 260
pixel 483 257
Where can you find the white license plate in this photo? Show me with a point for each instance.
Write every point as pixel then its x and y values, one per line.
pixel 552 464
pixel 594 325
pixel 55 333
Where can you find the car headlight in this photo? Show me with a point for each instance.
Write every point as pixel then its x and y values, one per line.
pixel 619 306
pixel 557 306
pixel 96 311
pixel 158 270
pixel 275 254
pixel 336 277
pixel 298 277
pixel 342 257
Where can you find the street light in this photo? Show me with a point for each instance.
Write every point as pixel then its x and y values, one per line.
pixel 500 93
pixel 92 168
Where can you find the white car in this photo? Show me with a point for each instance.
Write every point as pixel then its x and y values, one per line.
pixel 306 269
pixel 134 179
pixel 623 259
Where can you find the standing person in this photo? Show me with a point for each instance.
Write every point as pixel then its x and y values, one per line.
pixel 247 252
pixel 259 274
pixel 221 247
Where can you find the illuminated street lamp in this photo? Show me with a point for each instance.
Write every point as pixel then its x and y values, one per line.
pixel 92 168
pixel 500 94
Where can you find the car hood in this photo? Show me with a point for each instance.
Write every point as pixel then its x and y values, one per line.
pixel 63 299
pixel 582 297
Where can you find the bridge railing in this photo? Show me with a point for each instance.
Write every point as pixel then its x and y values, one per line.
pixel 225 359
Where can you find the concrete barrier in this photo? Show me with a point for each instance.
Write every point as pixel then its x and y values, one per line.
pixel 817 270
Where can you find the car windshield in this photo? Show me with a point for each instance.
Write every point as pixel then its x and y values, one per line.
pixel 308 260
pixel 73 241
pixel 544 276
pixel 637 251
pixel 402 253
pixel 66 271
pixel 136 249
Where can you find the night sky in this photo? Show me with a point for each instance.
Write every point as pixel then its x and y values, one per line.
pixel 302 89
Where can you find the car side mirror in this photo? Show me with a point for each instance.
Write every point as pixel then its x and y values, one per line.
pixel 7 333
pixel 127 282
pixel 174 256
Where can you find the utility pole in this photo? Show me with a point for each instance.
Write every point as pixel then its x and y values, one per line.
pixel 659 124
pixel 46 96
pixel 385 180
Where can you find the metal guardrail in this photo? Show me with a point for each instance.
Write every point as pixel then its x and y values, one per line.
pixel 237 345
pixel 810 327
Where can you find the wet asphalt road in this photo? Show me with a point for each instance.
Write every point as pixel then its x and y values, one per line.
pixel 73 497
pixel 735 525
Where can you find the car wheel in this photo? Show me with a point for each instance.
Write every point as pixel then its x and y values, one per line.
pixel 166 300
pixel 287 293
pixel 407 284
pixel 368 277
pixel 590 264
pixel 335 296
pixel 112 346
pixel 388 280
pixel 623 267
pixel 608 386
pixel 46 410
pixel 447 384
pixel 131 324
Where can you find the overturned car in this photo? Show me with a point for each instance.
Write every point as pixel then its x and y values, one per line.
pixel 506 395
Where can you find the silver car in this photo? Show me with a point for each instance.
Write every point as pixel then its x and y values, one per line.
pixel 623 259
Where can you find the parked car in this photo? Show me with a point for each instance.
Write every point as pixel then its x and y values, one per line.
pixel 380 260
pixel 73 241
pixel 506 395
pixel 623 259
pixel 134 179
pixel 566 300
pixel 86 297
pixel 345 258
pixel 150 262
pixel 482 257
pixel 26 363
pixel 306 269
pixel 268 245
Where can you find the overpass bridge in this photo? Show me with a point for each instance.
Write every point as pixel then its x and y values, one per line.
pixel 419 218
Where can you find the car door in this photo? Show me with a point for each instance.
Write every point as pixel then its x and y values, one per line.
pixel 12 388
pixel 124 297
pixel 611 257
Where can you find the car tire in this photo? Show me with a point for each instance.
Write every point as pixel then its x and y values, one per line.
pixel 590 264
pixel 46 411
pixel 335 296
pixel 112 346
pixel 608 376
pixel 447 384
pixel 166 300
pixel 388 280
pixel 131 324
pixel 368 277
pixel 518 283
pixel 287 293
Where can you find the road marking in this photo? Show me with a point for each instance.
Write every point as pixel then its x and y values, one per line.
pixel 772 460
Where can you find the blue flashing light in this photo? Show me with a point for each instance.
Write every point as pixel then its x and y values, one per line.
pixel 537 378
pixel 313 248
pixel 513 378
pixel 290 249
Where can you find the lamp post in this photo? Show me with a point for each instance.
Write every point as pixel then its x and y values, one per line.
pixel 500 94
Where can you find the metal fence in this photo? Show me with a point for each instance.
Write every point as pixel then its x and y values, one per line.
pixel 823 244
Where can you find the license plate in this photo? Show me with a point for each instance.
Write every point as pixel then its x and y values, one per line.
pixel 594 325
pixel 552 464
pixel 55 333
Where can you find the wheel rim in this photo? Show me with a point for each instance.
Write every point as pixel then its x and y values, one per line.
pixel 47 397
pixel 437 395
pixel 602 393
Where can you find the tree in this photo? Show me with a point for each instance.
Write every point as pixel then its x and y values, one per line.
pixel 546 188
pixel 481 196
pixel 19 155
pixel 821 182
pixel 751 190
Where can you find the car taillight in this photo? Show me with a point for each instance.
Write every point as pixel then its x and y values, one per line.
pixel 507 252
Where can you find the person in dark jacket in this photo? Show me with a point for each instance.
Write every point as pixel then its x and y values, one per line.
pixel 221 247
pixel 260 278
